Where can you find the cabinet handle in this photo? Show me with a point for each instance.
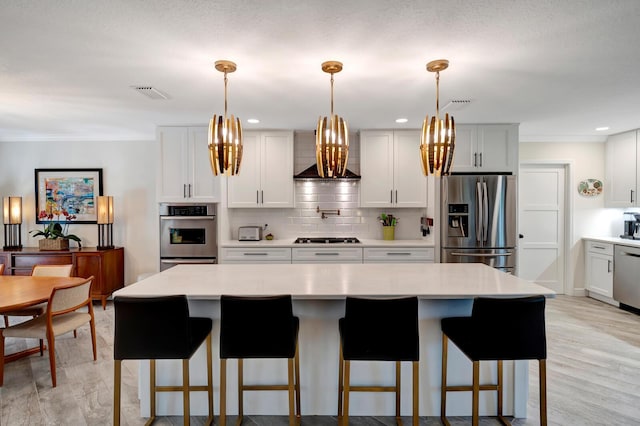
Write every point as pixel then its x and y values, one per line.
pixel 475 159
pixel 255 254
pixel 184 190
pixel 632 200
pixel 391 196
pixel 190 191
pixel 398 254
pixel 480 159
pixel 396 196
pixel 598 247
pixel 327 254
pixel 262 196
pixel 257 197
pixel 609 263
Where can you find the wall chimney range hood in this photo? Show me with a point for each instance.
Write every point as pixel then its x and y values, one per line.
pixel 311 173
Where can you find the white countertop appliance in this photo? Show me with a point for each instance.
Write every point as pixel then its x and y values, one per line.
pixel 250 233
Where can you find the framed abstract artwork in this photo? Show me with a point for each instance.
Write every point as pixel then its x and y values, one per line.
pixel 61 193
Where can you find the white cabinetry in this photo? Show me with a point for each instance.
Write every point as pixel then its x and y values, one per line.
pixel 486 147
pixel 399 255
pixel 326 255
pixel 391 171
pixel 266 172
pixel 599 270
pixel 621 170
pixel 184 173
pixel 256 255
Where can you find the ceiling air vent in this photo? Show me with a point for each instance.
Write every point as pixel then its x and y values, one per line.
pixel 456 104
pixel 150 92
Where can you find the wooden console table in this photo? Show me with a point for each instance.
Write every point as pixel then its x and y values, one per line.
pixel 107 266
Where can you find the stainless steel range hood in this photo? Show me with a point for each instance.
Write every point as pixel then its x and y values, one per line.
pixel 311 173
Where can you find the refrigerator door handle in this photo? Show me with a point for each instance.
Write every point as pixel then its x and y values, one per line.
pixel 479 212
pixel 485 215
pixel 455 253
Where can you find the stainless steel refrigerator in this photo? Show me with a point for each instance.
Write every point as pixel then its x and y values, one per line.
pixel 478 217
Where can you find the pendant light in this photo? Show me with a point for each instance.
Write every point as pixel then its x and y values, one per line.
pixel 225 134
pixel 437 141
pixel 332 136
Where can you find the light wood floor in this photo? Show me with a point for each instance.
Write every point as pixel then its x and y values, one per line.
pixel 593 374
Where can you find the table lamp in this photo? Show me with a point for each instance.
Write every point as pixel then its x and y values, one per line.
pixel 105 222
pixel 12 219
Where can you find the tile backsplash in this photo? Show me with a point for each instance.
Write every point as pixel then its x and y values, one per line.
pixel 305 220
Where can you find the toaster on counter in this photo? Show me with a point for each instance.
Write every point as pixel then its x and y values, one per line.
pixel 250 233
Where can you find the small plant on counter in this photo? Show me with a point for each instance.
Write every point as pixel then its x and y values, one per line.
pixel 56 228
pixel 388 219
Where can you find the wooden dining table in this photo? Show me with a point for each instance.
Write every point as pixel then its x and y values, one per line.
pixel 18 292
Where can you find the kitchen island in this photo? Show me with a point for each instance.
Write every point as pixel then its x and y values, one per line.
pixel 319 291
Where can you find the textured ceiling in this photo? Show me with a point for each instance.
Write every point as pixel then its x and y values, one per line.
pixel 559 68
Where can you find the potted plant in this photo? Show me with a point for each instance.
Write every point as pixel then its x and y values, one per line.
pixel 388 225
pixel 55 233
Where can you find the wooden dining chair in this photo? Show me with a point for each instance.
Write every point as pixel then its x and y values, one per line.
pixel 60 318
pixel 39 271
pixel 1 268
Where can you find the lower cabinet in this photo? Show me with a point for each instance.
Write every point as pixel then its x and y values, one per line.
pixel 599 270
pixel 106 266
pixel 327 255
pixel 399 255
pixel 256 255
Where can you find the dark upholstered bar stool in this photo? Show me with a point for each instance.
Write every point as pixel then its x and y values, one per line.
pixel 160 328
pixel 497 330
pixel 259 327
pixel 378 330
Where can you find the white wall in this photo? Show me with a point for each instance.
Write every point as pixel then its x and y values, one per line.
pixel 590 218
pixel 129 174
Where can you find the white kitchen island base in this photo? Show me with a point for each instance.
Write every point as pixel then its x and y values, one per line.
pixel 319 309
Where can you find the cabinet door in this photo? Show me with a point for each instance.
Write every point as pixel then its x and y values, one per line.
pixel 376 166
pixel 621 173
pixel 465 157
pixel 276 169
pixel 600 274
pixel 497 148
pixel 204 186
pixel 172 165
pixel 243 190
pixel 410 185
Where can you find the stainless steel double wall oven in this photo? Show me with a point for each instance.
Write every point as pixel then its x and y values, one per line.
pixel 187 234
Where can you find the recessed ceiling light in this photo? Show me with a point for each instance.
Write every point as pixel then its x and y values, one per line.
pixel 253 121
pixel 601 129
pixel 401 120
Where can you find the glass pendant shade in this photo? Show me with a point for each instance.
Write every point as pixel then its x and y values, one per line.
pixel 332 136
pixel 225 134
pixel 437 140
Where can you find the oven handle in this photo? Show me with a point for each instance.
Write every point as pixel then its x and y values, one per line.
pixel 187 217
pixel 191 261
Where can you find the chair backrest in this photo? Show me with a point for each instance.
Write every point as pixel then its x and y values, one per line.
pixel 151 327
pixel 69 298
pixel 514 326
pixel 1 268
pixel 257 327
pixel 52 270
pixel 380 329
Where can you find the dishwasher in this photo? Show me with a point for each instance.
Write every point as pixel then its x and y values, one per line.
pixel 626 275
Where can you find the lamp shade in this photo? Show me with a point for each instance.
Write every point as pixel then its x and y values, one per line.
pixel 105 209
pixel 12 210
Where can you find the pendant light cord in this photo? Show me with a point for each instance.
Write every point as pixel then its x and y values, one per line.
pixel 225 94
pixel 332 95
pixel 438 95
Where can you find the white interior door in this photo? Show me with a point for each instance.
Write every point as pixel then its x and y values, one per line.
pixel 541 217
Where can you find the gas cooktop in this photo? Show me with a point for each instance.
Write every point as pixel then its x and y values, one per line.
pixel 326 240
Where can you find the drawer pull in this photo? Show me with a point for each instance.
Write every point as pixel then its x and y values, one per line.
pixel 609 263
pixel 327 254
pixel 255 254
pixel 599 247
pixel 398 254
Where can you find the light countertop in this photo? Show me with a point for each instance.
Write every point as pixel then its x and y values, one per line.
pixel 289 242
pixel 336 281
pixel 615 240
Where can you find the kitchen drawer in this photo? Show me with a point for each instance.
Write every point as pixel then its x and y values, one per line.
pixel 398 254
pixel 598 247
pixel 256 255
pixel 327 255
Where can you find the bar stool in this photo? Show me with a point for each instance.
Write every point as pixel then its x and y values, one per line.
pixel 378 330
pixel 497 330
pixel 160 328
pixel 259 327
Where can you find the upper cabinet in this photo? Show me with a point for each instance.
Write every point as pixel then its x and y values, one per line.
pixel 621 163
pixel 391 170
pixel 184 172
pixel 486 148
pixel 266 172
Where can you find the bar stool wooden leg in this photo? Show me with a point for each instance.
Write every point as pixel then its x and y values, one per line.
pixel 152 384
pixel 223 392
pixel 340 384
pixel 210 379
pixel 240 392
pixel 443 386
pixel 345 414
pixel 291 390
pixel 117 374
pixel 542 377
pixel 476 393
pixel 186 404
pixel 297 385
pixel 416 392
